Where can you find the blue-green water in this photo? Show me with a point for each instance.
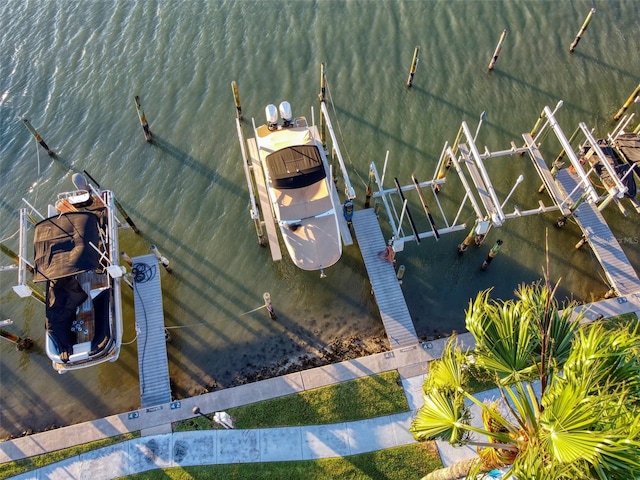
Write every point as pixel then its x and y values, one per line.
pixel 73 68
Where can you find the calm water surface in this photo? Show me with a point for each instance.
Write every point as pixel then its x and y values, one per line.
pixel 73 68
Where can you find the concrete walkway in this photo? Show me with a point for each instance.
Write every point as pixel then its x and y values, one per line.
pixel 158 447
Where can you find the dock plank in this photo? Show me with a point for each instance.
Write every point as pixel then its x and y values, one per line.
pixel 153 363
pixel 384 283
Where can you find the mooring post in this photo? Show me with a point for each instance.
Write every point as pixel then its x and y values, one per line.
pixel 14 256
pixel 117 204
pixel 468 239
pixel 400 274
pixel 582 30
pixel 236 98
pixel 321 98
pixel 369 193
pixel 163 260
pixel 492 253
pixel 143 120
pixel 21 343
pixel 492 63
pixel 36 294
pixel 633 98
pixel 414 65
pixel 126 258
pixel 267 303
pixel 38 137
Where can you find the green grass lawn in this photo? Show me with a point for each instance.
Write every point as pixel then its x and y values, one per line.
pixel 367 397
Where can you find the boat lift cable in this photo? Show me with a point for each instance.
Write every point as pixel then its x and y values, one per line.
pixel 335 115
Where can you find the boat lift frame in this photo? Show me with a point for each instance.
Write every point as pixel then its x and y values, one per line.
pixel 264 218
pixel 480 193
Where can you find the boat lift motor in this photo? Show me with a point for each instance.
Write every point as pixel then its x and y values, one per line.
pixel 285 113
pixel 271 112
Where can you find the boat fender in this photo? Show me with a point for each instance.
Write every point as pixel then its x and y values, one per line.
pixel 388 254
pixel 347 210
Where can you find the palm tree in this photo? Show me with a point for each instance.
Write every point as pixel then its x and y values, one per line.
pixel 569 393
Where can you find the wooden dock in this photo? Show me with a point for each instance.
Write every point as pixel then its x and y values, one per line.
pixel 620 274
pixel 384 283
pixel 153 364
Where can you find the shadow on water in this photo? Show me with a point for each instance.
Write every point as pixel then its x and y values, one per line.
pixel 184 158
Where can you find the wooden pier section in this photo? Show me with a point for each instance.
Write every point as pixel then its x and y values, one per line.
pixel 384 283
pixel 153 364
pixel 620 274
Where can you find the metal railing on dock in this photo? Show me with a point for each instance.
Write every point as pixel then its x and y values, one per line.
pixel 152 350
pixel 384 283
pixel 620 274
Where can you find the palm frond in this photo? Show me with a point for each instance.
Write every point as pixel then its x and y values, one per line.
pixel 443 416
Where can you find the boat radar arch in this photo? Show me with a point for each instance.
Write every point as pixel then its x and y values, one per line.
pixel 272 116
pixel 285 113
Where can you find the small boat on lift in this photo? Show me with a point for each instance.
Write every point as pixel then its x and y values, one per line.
pixel 76 254
pixel 298 180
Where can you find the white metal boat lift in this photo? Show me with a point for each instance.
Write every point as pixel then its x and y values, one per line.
pixel 263 216
pixel 468 161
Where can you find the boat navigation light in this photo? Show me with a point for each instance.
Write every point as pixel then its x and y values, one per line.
pixel 272 116
pixel 285 113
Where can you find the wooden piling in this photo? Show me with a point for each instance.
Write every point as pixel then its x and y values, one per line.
pixel 414 65
pixel 21 343
pixel 117 204
pixel 582 30
pixel 163 260
pixel 13 255
pixel 322 98
pixel 236 98
pixel 492 253
pixel 267 303
pixel 143 120
pixel 467 241
pixel 635 96
pixel 369 192
pixel 126 258
pixel 492 63
pixel 38 137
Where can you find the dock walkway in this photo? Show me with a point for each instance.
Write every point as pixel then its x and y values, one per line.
pixel 152 349
pixel 384 283
pixel 620 274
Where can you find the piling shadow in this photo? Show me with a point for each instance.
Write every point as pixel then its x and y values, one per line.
pixel 203 170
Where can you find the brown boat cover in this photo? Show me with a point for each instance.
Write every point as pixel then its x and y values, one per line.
pixel 61 245
pixel 295 167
